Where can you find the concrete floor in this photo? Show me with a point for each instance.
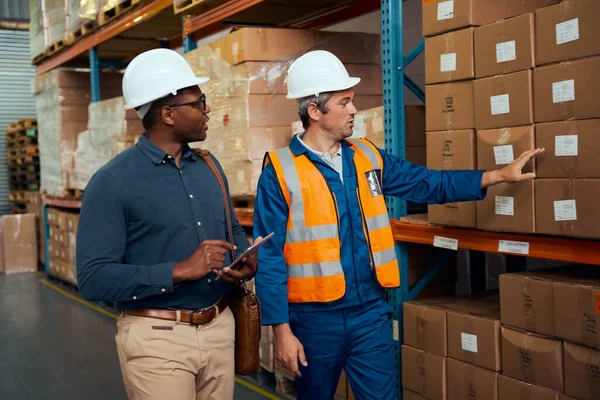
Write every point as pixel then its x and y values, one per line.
pixel 53 347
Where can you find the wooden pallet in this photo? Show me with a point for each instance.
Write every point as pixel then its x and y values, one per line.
pixel 180 6
pixel 284 384
pixel 87 27
pixel 54 48
pixel 38 59
pixel 27 177
pixel 67 194
pixel 19 196
pixel 245 202
pixel 109 15
pixel 19 207
pixel 20 186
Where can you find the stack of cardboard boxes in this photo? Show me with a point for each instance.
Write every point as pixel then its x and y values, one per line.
pixel 511 104
pixel 451 348
pixel 35 207
pixel 18 244
pixel 62 100
pixel 249 110
pixel 550 335
pixel 62 244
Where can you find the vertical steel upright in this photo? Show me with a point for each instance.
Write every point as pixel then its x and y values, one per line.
pixel 394 80
pixel 95 74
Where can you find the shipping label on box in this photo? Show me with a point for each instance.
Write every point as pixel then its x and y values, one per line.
pixel 567 31
pixel 504 100
pixel 449 57
pixel 446 15
pixel 508 207
pixel 499 147
pixel 533 359
pixel 424 373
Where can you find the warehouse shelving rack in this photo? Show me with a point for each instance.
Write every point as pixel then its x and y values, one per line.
pixel 105 47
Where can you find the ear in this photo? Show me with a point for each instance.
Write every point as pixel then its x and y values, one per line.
pixel 313 111
pixel 167 115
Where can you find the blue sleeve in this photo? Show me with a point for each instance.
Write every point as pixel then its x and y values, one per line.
pixel 239 234
pixel 271 215
pixel 101 241
pixel 419 184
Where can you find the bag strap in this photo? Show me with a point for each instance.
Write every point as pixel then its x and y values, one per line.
pixel 205 156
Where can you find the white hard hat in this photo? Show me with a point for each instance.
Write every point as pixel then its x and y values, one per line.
pixel 317 72
pixel 155 74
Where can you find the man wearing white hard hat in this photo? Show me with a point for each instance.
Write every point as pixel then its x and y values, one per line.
pixel 322 278
pixel 152 238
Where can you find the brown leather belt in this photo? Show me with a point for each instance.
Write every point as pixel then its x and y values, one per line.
pixel 200 317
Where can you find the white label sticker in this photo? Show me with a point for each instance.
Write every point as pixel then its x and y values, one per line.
pixel 396 331
pixel 567 31
pixel 505 205
pixel 565 210
pixel 445 10
pixel 563 91
pixel 469 342
pixel 448 62
pixel 508 246
pixel 506 51
pixel 504 154
pixel 566 145
pixel 445 243
pixel 500 104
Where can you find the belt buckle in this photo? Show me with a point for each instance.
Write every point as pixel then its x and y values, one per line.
pixel 202 312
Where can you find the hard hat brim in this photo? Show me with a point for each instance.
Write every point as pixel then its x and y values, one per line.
pixel 349 83
pixel 196 81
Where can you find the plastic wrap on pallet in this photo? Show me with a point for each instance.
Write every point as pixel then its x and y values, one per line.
pixel 111 129
pixel 62 101
pixel 79 12
pixel 37 31
pixel 56 19
pixel 249 110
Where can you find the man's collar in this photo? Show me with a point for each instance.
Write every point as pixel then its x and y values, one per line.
pixel 156 154
pixel 297 147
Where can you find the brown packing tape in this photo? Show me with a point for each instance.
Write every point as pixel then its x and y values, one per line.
pixel 526 360
pixel 422 372
pixel 505 136
pixel 590 326
pixel 567 106
pixel 470 383
pixel 449 106
pixel 528 305
pixel 569 194
pixel 447 154
pixel 421 328
pixel 449 48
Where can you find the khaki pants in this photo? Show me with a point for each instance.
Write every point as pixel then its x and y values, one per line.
pixel 170 360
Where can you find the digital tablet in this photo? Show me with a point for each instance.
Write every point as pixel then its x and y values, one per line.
pixel 237 263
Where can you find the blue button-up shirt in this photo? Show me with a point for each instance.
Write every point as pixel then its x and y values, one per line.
pixel 140 215
pixel 400 178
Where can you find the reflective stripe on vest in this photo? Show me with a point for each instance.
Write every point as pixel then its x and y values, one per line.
pixel 312 247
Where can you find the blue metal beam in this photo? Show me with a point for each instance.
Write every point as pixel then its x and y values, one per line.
pixel 425 279
pixel 414 53
pixel 189 44
pixel 95 74
pixel 416 89
pixel 117 64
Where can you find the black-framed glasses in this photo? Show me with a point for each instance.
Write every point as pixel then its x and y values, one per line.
pixel 200 103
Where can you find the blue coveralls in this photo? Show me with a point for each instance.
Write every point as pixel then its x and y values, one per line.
pixel 353 333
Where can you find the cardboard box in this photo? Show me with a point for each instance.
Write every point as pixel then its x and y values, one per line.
pixel 262 44
pixel 508 208
pixel 342 387
pixel 567 31
pixel 533 359
pixel 571 149
pixel 527 301
pixel 511 389
pixel 443 15
pixel 369 123
pixel 567 207
pixel 452 150
pixel 567 90
pixel 504 100
pixel 450 106
pixel 469 382
pixel 409 395
pixel 582 372
pixel 505 46
pixel 474 334
pixel 424 373
pixel 19 249
pixel 350 47
pixel 577 306
pixel 517 7
pixel 425 327
pixel 497 148
pixel 449 57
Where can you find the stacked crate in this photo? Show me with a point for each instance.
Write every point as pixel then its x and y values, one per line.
pixel 23 162
pixel 249 110
pixel 550 336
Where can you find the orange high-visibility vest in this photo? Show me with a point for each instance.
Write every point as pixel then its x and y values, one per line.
pixel 312 244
